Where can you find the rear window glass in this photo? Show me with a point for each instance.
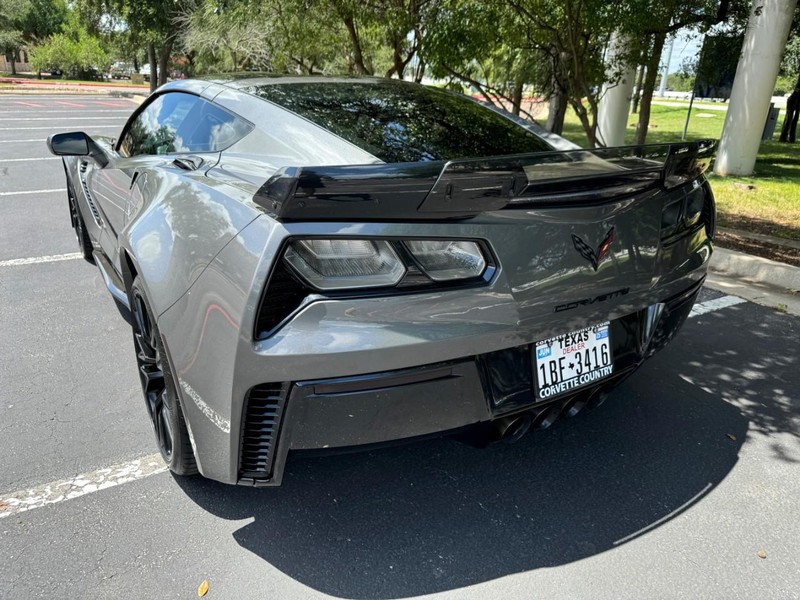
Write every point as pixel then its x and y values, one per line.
pixel 404 123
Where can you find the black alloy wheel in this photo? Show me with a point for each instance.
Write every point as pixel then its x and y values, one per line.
pixel 158 386
pixel 84 242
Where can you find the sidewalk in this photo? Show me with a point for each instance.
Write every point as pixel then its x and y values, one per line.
pixel 757 279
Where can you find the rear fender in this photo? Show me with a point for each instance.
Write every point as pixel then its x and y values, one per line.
pixel 178 223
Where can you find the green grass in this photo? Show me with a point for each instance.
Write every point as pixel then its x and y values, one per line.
pixel 772 206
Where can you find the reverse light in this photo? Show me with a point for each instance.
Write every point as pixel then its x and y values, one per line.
pixel 447 260
pixel 338 264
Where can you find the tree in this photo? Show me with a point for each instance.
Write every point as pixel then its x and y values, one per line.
pixel 572 35
pixel 480 45
pixel 242 35
pixel 153 24
pixel 650 22
pixel 12 14
pixel 74 51
pixel 42 19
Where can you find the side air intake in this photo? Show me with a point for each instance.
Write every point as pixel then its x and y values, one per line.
pixel 262 414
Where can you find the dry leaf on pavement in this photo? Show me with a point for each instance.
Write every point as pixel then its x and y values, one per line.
pixel 203 589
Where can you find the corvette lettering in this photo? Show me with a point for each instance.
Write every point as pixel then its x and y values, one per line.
pixel 588 301
pixel 565 386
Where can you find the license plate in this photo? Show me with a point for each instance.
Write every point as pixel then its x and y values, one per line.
pixel 565 363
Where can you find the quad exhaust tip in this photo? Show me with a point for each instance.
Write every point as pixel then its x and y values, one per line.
pixel 511 429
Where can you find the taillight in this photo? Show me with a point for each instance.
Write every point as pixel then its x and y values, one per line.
pixel 684 212
pixel 338 268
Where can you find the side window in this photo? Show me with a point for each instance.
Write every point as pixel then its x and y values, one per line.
pixel 154 130
pixel 210 128
pixel 177 122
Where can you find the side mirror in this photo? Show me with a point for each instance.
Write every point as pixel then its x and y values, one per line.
pixel 75 143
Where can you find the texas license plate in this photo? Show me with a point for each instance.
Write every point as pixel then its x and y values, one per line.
pixel 567 362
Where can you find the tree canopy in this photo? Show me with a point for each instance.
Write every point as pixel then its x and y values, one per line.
pixel 502 51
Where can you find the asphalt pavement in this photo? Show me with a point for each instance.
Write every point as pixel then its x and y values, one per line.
pixel 668 490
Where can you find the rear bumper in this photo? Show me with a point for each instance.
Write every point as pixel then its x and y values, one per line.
pixel 430 399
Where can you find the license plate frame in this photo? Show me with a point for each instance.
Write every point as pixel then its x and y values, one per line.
pixel 559 362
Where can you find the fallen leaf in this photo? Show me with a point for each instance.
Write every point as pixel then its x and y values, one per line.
pixel 731 437
pixel 3 505
pixel 203 589
pixel 761 554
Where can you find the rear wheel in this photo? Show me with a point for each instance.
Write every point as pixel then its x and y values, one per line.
pixel 158 386
pixel 84 242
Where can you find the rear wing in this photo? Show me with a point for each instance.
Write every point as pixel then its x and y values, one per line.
pixel 463 188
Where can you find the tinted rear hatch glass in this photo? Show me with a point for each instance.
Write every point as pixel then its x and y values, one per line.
pixel 401 122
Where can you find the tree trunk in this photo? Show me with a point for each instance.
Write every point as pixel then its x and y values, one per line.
pixel 14 63
pixel 583 116
pixel 419 72
pixel 557 112
pixel 637 90
pixel 517 96
pixel 358 55
pixel 190 63
pixel 151 57
pixel 649 87
pixel 163 60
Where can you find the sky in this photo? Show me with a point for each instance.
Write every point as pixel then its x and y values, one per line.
pixel 685 45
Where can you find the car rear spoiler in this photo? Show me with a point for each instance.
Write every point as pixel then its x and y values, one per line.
pixel 463 188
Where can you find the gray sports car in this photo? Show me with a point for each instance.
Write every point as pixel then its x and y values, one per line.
pixel 317 263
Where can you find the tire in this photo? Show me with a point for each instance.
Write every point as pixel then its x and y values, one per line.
pixel 158 387
pixel 78 224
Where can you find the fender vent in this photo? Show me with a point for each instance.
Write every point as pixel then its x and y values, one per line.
pixel 89 199
pixel 262 414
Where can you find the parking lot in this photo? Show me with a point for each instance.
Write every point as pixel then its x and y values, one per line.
pixel 670 489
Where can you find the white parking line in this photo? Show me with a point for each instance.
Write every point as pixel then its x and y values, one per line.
pixel 5 160
pixel 17 119
pixel 31 128
pixel 122 112
pixel 715 304
pixel 17 141
pixel 23 192
pixel 88 483
pixel 35 260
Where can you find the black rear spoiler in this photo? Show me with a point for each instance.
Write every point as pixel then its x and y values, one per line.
pixel 463 188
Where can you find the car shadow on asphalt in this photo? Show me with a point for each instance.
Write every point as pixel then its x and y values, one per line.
pixel 438 515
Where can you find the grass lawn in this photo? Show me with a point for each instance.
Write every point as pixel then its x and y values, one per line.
pixel 768 202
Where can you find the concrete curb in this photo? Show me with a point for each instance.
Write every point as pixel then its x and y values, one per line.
pixel 755 269
pixel 759 237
